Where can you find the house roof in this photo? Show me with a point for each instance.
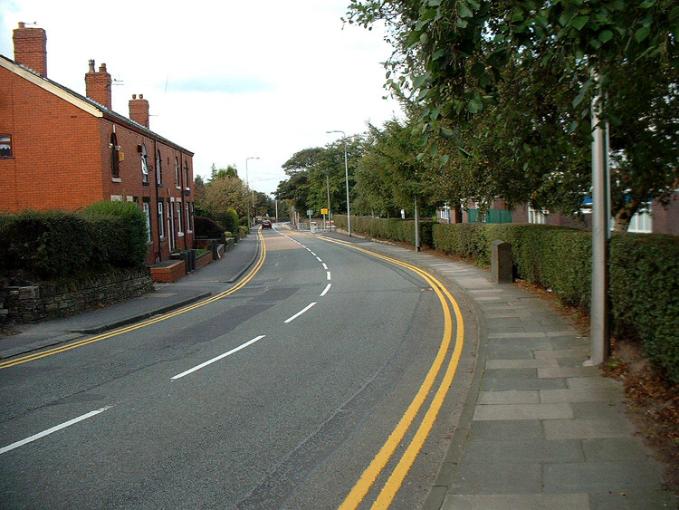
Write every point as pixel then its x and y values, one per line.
pixel 84 103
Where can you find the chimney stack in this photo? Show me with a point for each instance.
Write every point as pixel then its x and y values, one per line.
pixel 30 48
pixel 139 109
pixel 98 84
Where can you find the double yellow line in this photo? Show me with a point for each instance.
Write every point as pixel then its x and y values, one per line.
pixel 382 458
pixel 148 322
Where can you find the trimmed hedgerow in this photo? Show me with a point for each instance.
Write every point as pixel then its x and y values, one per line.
pixel 644 276
pixel 119 231
pixel 392 229
pixel 54 244
pixel 207 228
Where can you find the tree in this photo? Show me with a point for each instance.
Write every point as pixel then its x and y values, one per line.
pixel 451 59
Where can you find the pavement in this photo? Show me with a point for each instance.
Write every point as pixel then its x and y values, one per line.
pixel 214 278
pixel 538 429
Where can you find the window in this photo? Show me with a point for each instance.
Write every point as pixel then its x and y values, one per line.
pixel 161 220
pixel 159 168
pixel 176 172
pixel 115 156
pixel 642 221
pixel 147 213
pixel 180 230
pixel 144 164
pixel 5 146
pixel 538 216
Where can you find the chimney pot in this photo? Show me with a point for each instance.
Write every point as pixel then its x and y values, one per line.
pixel 30 48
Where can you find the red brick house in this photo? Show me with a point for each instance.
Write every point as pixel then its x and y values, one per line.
pixel 62 150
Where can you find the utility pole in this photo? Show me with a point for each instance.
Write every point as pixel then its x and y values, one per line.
pixel 599 333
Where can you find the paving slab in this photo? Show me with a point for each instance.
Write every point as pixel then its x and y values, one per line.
pixel 516 502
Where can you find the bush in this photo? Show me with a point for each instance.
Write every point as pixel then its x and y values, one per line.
pixel 119 232
pixel 55 244
pixel 45 244
pixel 388 228
pixel 207 228
pixel 644 276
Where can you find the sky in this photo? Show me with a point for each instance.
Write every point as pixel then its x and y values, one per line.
pixel 227 80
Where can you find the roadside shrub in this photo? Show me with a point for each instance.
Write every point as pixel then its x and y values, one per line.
pixel 45 244
pixel 393 229
pixel 644 276
pixel 207 228
pixel 119 232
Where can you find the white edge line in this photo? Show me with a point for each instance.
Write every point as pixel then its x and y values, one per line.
pixel 221 356
pixel 327 288
pixel 328 275
pixel 53 429
pixel 325 266
pixel 288 321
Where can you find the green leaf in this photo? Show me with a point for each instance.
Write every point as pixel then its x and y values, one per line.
pixel 579 21
pixel 465 12
pixel 605 36
pixel 642 34
pixel 447 132
pixel 438 54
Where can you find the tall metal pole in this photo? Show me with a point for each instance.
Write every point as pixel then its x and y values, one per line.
pixel 346 176
pixel 247 182
pixel 599 333
pixel 327 186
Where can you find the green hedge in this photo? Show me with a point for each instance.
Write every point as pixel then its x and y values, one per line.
pixel 387 228
pixel 54 244
pixel 644 276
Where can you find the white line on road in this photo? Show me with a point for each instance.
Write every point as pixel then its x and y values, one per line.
pixel 299 313
pixel 51 430
pixel 325 266
pixel 221 356
pixel 327 288
pixel 328 275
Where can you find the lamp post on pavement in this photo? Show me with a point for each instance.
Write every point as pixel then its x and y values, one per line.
pixel 247 182
pixel 346 176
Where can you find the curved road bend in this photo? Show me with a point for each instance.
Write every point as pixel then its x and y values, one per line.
pixel 277 396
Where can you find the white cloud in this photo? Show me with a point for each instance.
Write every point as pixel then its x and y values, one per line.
pixel 225 79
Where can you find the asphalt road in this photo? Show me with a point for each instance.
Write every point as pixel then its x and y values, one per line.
pixel 288 412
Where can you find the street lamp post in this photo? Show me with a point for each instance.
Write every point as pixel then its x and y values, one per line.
pixel 247 182
pixel 346 176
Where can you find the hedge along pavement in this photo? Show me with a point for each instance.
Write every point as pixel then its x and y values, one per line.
pixel 643 269
pixel 56 244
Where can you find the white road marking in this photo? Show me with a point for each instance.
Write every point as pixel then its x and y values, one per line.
pixel 327 288
pixel 319 259
pixel 328 275
pixel 299 313
pixel 221 356
pixel 325 266
pixel 53 429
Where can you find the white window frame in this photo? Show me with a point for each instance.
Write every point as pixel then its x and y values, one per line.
pixel 146 208
pixel 161 218
pixel 144 165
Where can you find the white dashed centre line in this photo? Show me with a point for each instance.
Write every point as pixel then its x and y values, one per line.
pixel 52 430
pixel 221 356
pixel 299 313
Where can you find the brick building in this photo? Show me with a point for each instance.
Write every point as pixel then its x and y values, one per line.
pixel 62 150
